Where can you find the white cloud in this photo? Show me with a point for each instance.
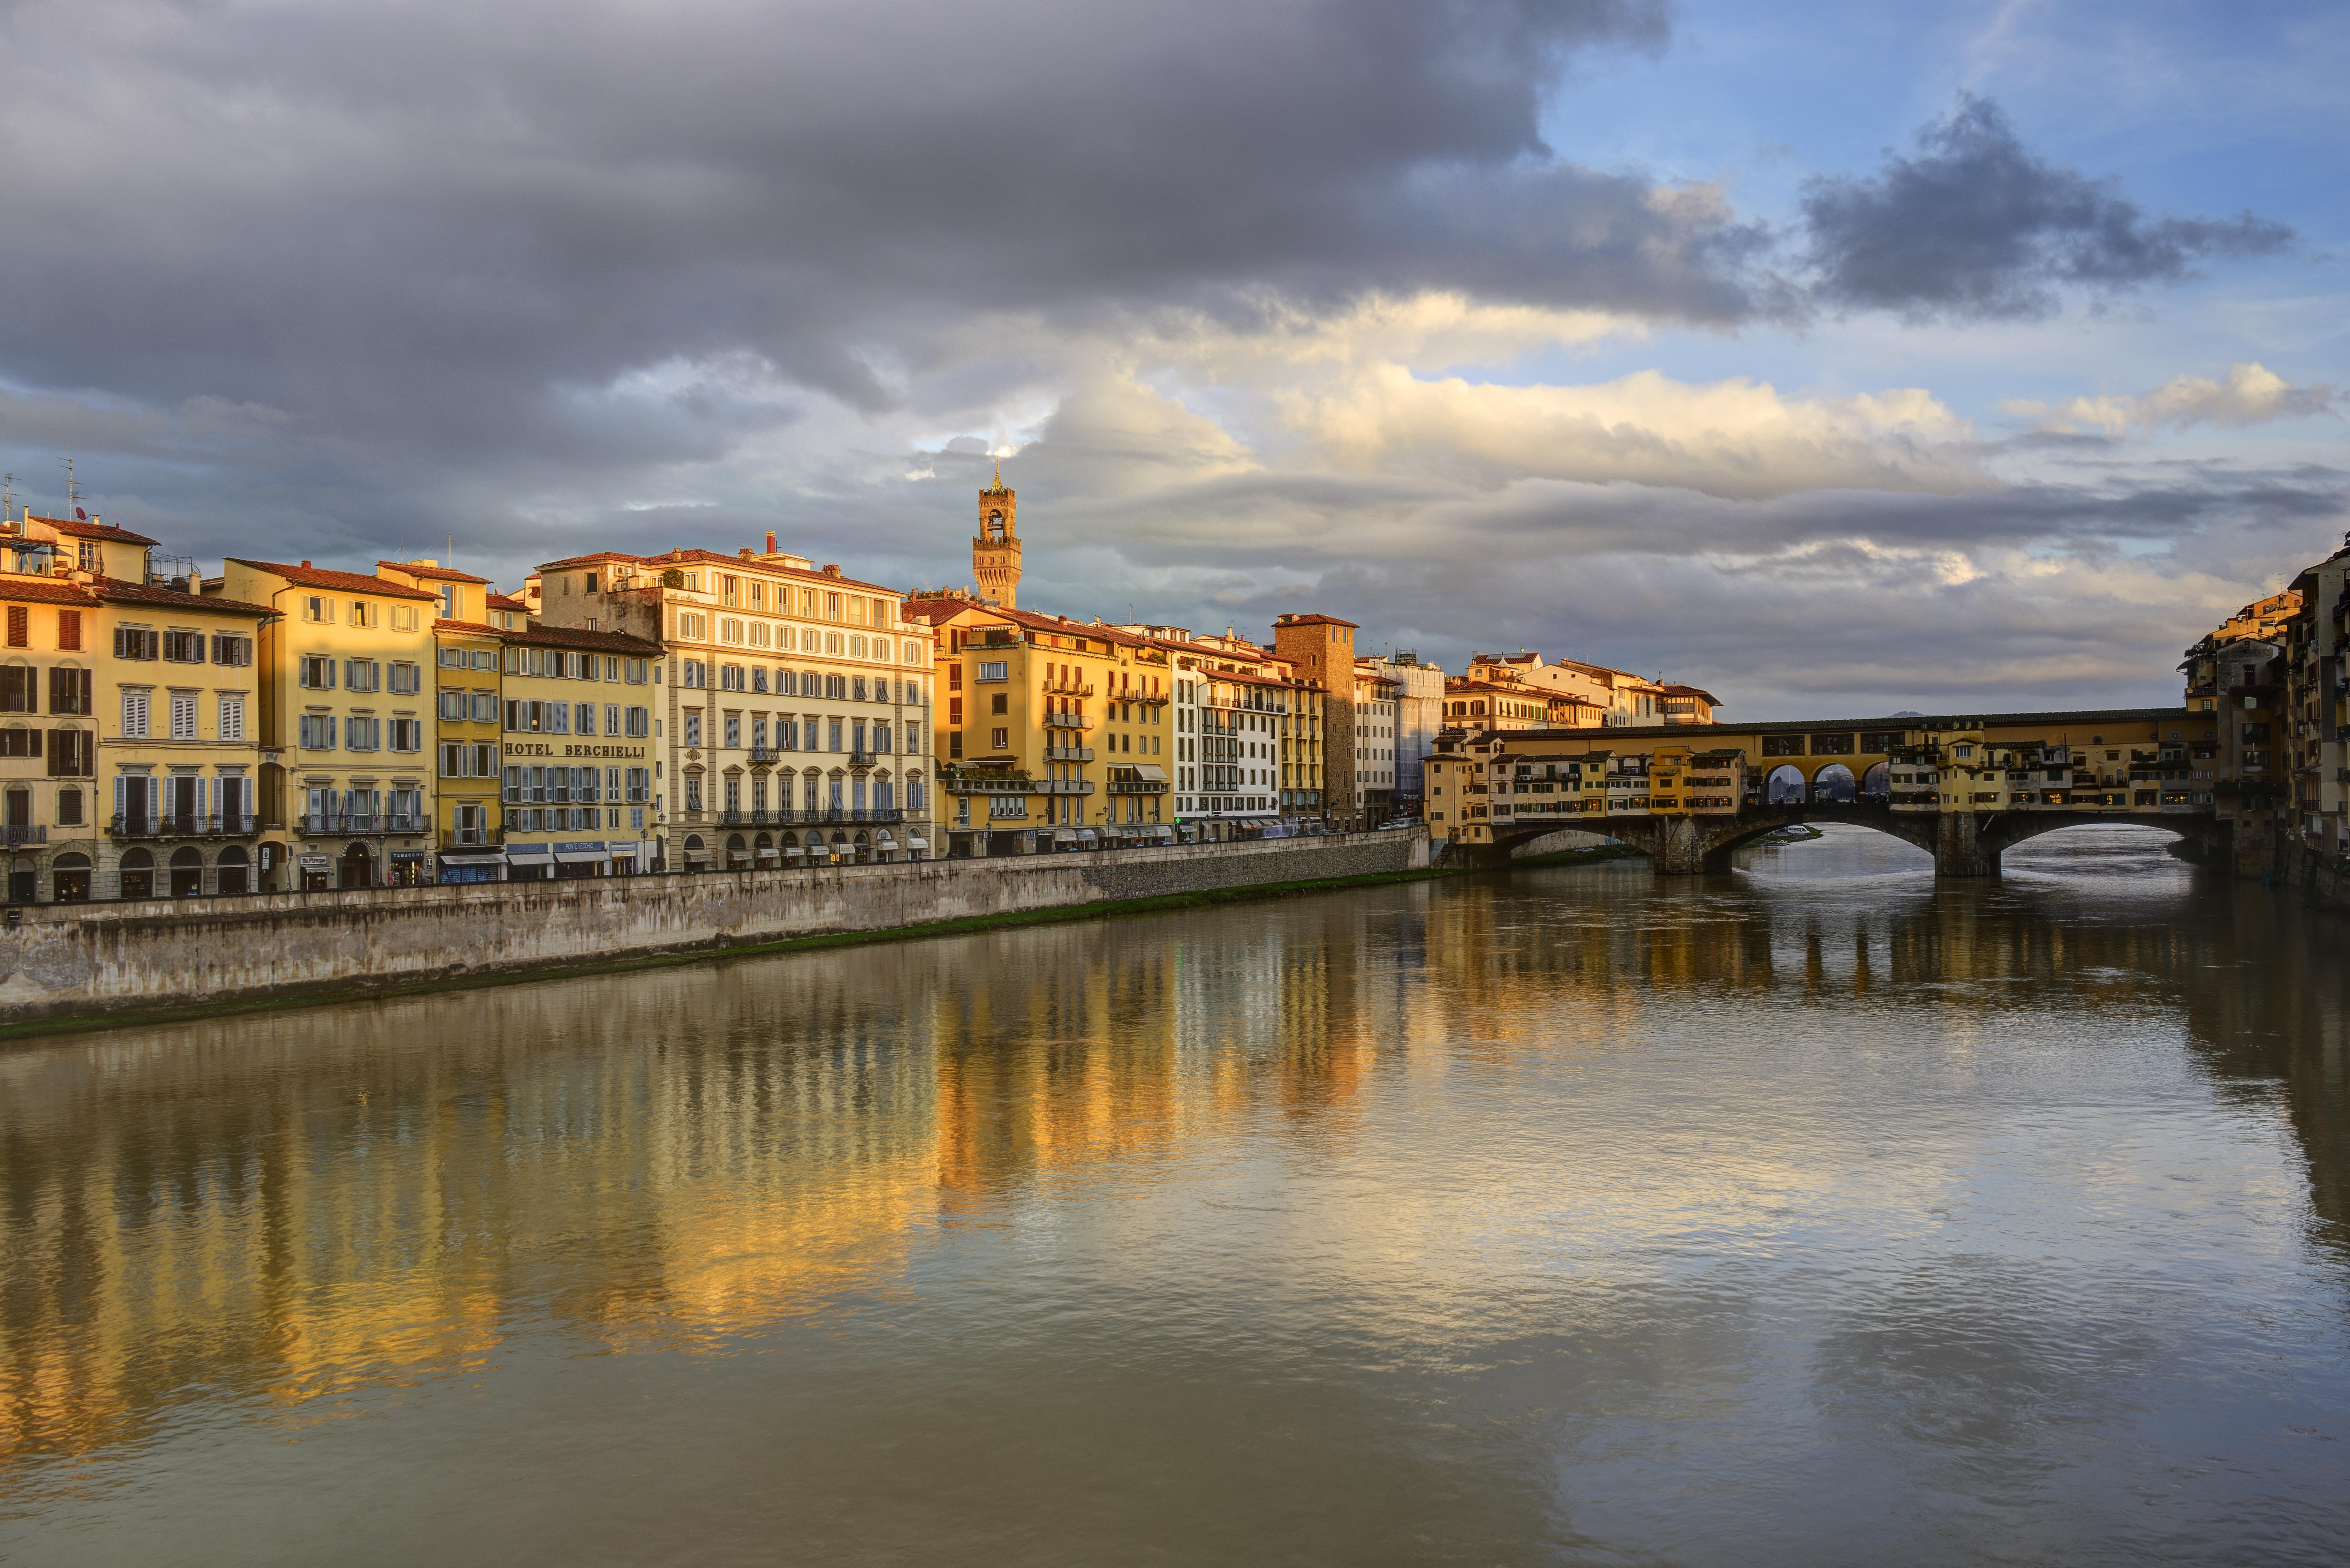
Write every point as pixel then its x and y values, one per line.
pixel 2251 394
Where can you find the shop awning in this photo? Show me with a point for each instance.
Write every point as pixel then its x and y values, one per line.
pixel 1064 835
pixel 528 851
pixel 488 857
pixel 409 855
pixel 795 849
pixel 569 857
pixel 315 863
pixel 1151 772
pixel 1087 835
pixel 917 843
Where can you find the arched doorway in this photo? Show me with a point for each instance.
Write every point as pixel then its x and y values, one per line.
pixel 357 867
pixel 1877 785
pixel 864 850
pixel 697 852
pixel 70 878
pixel 738 851
pixel 1785 786
pixel 235 871
pixel 24 880
pixel 1833 786
pixel 187 872
pixel 137 874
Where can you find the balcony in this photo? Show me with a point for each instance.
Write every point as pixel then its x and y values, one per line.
pixel 867 759
pixel 1068 721
pixel 16 833
pixel 1148 699
pixel 1134 786
pixel 324 823
pixel 471 837
pixel 1068 688
pixel 1061 787
pixel 176 827
pixel 821 814
pixel 1068 753
pixel 767 755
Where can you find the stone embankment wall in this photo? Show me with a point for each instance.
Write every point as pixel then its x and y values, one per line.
pixel 65 960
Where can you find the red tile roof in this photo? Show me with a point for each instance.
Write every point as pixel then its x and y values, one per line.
pixel 44 590
pixel 506 602
pixel 682 556
pixel 437 574
pixel 115 590
pixel 100 530
pixel 468 628
pixel 1312 620
pixel 310 576
pixel 578 637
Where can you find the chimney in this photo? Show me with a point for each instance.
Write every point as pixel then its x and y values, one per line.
pixel 771 541
pixel 831 569
pixel 305 563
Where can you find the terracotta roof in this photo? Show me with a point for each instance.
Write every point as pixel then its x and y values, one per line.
pixel 598 559
pixel 310 576
pixel 932 611
pixel 469 627
pixel 438 574
pixel 1693 692
pixel 578 637
pixel 1312 620
pixel 115 590
pixel 80 530
pixel 507 602
pixel 45 590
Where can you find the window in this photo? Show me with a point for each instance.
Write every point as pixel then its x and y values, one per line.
pixel 583 719
pixel 693 795
pixel 453 659
pixel 452 707
pixel 70 808
pixel 734 731
pixel 998 703
pixel 361 733
pixel 993 670
pixel 314 608
pixel 856 690
pixel 20 627
pixel 316 672
pixel 134 642
pixel 70 691
pixel 639 722
pixel 612 717
pixel 183 647
pixel 636 670
pixel 694 729
pixel 486 658
pixel 134 715
pixel 234 651
pixel 836 686
pixel 231 717
pixel 1000 739
pixel 485 708
pixel 362 612
pixel 688 626
pixel 730 677
pixel 362 675
pixel 730 630
pixel 640 785
pixel 183 715
pixel 317 733
pixel 697 674
pixel 407 679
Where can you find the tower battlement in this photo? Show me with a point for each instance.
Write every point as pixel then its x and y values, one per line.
pixel 996 549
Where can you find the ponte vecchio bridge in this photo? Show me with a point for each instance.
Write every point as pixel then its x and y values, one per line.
pixel 1962 787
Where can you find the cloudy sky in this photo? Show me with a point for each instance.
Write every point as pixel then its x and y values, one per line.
pixel 1843 358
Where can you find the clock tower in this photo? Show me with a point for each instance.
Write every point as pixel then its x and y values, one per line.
pixel 996 552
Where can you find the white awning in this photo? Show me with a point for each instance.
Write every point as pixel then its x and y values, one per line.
pixel 1064 835
pixel 795 849
pixel 917 843
pixel 580 857
pixel 490 858
pixel 1086 835
pixel 1151 772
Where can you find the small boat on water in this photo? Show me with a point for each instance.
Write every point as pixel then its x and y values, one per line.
pixel 1794 832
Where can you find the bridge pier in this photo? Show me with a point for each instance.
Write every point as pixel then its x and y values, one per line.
pixel 1680 846
pixel 1959 849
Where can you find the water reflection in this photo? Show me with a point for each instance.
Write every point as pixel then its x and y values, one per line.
pixel 1569 1215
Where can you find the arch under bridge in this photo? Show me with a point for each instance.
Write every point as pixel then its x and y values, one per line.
pixel 2133 767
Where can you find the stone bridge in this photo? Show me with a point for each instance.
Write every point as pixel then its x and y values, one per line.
pixel 1962 845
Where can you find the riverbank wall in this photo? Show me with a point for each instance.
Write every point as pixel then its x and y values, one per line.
pixel 2320 879
pixel 71 960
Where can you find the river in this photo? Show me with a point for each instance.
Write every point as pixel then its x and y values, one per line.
pixel 1817 1214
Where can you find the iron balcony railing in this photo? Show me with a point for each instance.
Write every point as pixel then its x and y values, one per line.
pixel 866 759
pixel 470 838
pixel 1068 721
pixel 381 822
pixel 766 754
pixel 13 833
pixel 179 826
pixel 822 814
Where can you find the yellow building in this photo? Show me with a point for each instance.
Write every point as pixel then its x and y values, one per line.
pixel 1051 732
pixel 579 796
pixel 141 781
pixel 466 716
pixel 345 705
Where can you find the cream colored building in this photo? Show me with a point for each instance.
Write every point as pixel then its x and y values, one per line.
pixel 792 709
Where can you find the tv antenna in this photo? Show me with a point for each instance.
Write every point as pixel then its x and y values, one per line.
pixel 73 497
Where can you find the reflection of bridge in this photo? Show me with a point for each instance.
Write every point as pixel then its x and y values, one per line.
pixel 1962 788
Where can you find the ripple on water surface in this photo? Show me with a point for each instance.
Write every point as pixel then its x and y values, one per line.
pixel 1814 1213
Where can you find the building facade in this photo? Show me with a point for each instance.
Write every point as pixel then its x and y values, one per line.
pixel 346 708
pixel 575 795
pixel 794 705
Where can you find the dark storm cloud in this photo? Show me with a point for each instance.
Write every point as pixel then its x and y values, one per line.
pixel 1975 225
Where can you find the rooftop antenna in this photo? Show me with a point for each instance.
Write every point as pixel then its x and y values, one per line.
pixel 72 495
pixel 7 495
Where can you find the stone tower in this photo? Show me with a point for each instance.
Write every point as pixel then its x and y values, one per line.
pixel 996 552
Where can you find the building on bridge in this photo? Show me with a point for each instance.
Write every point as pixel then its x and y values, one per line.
pixel 1962 786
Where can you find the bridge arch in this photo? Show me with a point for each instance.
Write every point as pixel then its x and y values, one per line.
pixel 1876 783
pixel 1834 784
pixel 1785 786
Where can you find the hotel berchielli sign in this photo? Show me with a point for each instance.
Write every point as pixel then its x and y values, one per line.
pixel 547 749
